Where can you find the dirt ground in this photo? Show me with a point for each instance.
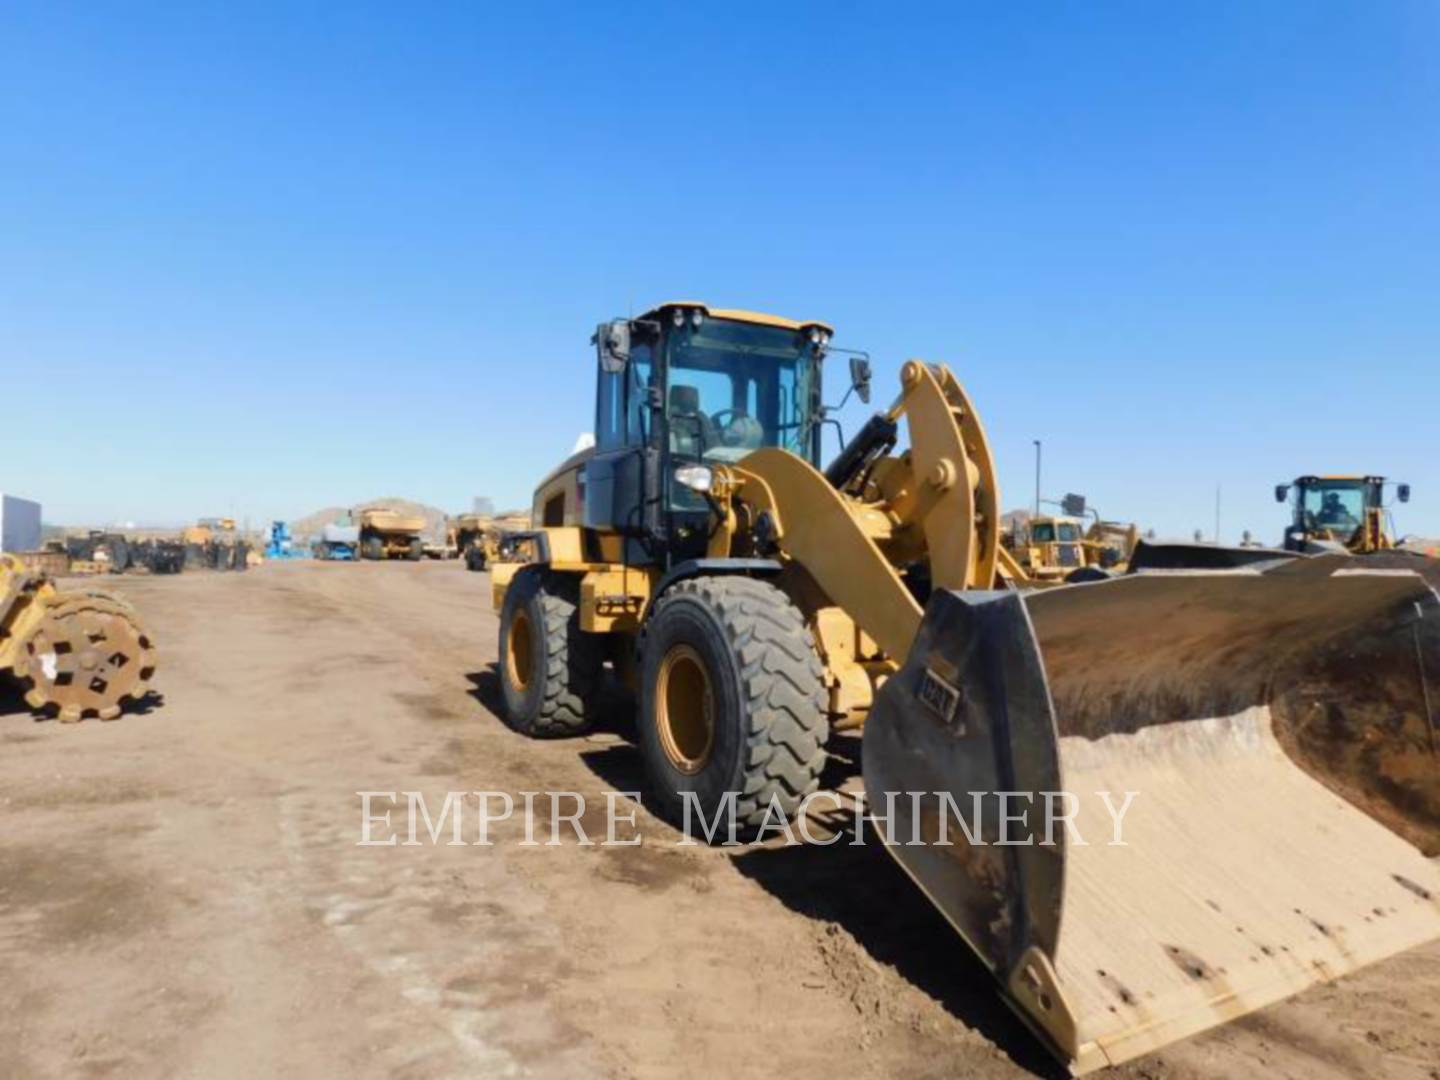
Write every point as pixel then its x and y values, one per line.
pixel 182 892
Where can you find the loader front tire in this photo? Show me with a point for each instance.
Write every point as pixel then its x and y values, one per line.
pixel 732 704
pixel 549 668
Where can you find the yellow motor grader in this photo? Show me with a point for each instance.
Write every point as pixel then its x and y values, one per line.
pixel 76 654
pixel 1266 724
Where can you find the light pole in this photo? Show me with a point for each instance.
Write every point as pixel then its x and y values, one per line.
pixel 1037 477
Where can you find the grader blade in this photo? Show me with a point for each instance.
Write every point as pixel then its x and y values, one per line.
pixel 1275 725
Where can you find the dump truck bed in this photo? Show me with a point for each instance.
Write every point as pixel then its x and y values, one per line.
pixel 392 521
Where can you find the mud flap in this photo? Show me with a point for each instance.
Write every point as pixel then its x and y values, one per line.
pixel 1275 727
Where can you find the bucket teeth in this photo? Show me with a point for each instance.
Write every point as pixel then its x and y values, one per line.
pixel 110 712
pixel 35 698
pixel 70 714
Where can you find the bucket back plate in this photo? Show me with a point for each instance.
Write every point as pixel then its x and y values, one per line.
pixel 1274 728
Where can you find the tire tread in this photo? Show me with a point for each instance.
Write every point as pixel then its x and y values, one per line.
pixel 571 662
pixel 782 685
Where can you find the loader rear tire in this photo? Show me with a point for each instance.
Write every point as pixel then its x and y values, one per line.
pixel 417 549
pixel 732 701
pixel 549 668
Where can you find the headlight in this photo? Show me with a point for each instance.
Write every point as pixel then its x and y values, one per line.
pixel 695 477
pixel 814 335
pixel 679 317
pixel 696 318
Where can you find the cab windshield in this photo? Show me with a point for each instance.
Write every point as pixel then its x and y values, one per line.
pixel 1047 532
pixel 734 387
pixel 1334 504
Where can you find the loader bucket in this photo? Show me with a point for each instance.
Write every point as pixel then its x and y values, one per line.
pixel 1275 726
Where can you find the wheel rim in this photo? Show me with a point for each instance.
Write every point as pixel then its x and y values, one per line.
pixel 685 710
pixel 86 657
pixel 519 652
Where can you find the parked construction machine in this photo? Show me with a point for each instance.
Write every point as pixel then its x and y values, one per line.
pixel 1339 513
pixel 1047 547
pixel 390 534
pixel 477 537
pixel 75 653
pixel 215 544
pixel 471 534
pixel 1109 544
pixel 337 543
pixel 282 545
pixel 1269 722
pixel 110 550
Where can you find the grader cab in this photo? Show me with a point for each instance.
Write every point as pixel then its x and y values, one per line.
pixel 1270 722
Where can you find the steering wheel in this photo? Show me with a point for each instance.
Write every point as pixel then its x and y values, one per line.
pixel 738 428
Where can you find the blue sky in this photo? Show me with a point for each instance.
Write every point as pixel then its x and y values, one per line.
pixel 260 259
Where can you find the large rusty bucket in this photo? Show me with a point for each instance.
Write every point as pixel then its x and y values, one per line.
pixel 1275 725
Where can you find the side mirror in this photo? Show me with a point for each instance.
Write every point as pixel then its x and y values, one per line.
pixel 860 377
pixel 1403 491
pixel 1282 492
pixel 612 345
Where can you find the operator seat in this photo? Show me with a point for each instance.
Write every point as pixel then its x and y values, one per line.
pixel 692 432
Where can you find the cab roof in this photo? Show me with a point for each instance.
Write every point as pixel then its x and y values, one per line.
pixel 738 315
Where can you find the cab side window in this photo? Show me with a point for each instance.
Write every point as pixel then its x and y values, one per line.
pixel 610 411
pixel 637 410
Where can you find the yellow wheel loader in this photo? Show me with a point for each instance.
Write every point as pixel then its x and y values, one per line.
pixel 75 654
pixel 1339 513
pixel 1262 732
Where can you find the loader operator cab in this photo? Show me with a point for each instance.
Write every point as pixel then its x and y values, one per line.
pixel 1338 511
pixel 685 387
